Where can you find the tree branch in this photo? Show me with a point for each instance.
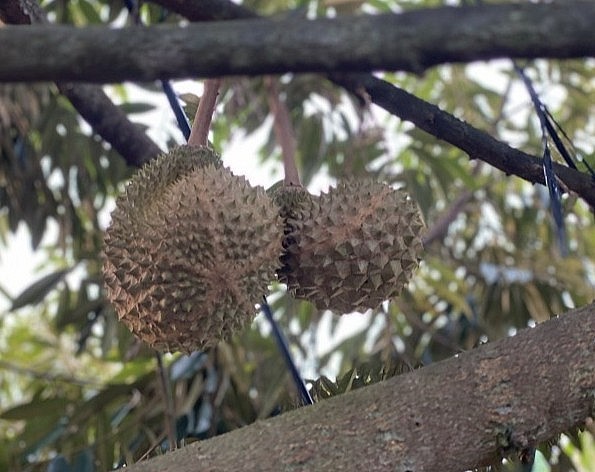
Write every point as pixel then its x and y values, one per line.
pixel 106 119
pixel 439 228
pixel 412 41
pixel 462 413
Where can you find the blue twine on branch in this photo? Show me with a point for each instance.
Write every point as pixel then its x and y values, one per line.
pixel 552 127
pixel 174 103
pixel 548 167
pixel 284 348
pixel 172 98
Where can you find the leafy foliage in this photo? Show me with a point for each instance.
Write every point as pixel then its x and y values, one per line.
pixel 79 393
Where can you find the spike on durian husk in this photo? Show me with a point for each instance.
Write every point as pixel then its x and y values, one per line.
pixel 351 249
pixel 160 173
pixel 190 251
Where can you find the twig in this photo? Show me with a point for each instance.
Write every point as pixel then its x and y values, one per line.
pixel 283 132
pixel 170 414
pixel 439 228
pixel 204 114
pixel 154 445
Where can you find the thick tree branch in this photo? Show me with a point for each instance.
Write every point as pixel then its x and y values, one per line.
pixel 411 41
pixel 459 414
pixel 106 119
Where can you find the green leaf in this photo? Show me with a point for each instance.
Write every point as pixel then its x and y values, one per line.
pixel 36 292
pixel 136 107
pixel 34 409
pixel 89 10
pixel 191 104
pixel 78 315
pixel 51 437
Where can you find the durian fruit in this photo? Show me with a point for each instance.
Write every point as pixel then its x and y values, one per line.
pixel 350 249
pixel 190 251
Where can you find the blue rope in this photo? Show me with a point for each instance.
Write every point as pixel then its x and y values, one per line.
pixel 548 167
pixel 174 103
pixel 284 348
pixel 560 145
pixel 172 98
pixel 545 121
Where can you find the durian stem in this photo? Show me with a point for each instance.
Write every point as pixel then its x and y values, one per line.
pixel 199 136
pixel 283 132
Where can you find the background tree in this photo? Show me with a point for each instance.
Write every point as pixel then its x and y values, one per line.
pixel 79 393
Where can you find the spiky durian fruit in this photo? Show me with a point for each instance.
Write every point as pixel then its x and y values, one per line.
pixel 190 251
pixel 350 249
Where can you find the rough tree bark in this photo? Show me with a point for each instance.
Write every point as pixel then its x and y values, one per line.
pixel 462 413
pixel 411 41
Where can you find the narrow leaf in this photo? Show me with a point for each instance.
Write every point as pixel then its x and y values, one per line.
pixel 36 292
pixel 34 409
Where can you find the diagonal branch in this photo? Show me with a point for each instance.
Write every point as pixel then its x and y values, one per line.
pixel 106 119
pixel 459 414
pixel 110 122
pixel 476 143
pixel 412 41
